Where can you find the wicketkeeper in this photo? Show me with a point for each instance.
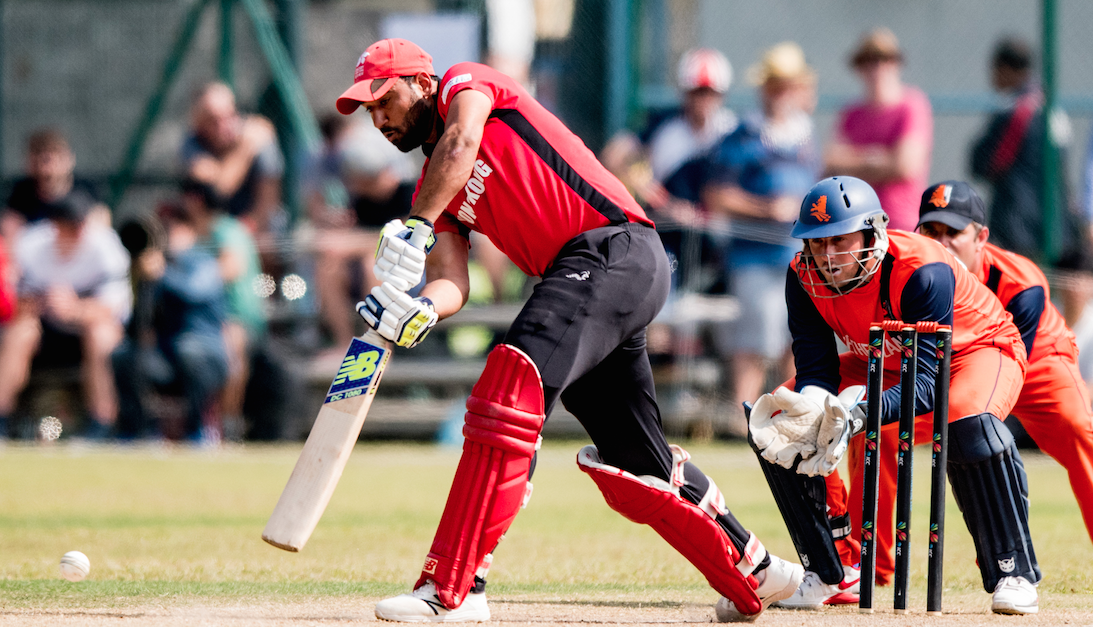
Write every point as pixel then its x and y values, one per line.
pixel 853 271
pixel 500 164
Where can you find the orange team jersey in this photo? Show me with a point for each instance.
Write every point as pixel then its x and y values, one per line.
pixel 926 283
pixel 535 185
pixel 1024 292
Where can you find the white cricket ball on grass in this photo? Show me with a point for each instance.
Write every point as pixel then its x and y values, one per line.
pixel 75 566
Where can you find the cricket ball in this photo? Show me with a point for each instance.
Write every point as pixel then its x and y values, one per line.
pixel 75 566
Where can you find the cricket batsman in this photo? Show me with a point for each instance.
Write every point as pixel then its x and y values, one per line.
pixel 500 164
pixel 852 271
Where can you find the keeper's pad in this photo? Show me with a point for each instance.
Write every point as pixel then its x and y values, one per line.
pixel 991 490
pixel 690 529
pixel 802 500
pixel 504 416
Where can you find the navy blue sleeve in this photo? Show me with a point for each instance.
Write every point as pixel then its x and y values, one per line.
pixel 928 296
pixel 1027 307
pixel 815 353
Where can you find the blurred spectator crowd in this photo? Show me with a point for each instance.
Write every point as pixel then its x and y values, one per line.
pixel 724 189
pixel 162 318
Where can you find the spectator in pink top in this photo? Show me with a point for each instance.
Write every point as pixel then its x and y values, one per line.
pixel 885 139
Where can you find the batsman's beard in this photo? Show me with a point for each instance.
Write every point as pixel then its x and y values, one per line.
pixel 415 128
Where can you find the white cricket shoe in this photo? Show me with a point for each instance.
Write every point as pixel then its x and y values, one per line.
pixel 1015 595
pixel 424 606
pixel 813 593
pixel 776 582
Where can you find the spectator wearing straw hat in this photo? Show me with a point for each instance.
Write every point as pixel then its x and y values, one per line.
pixel 756 177
pixel 886 138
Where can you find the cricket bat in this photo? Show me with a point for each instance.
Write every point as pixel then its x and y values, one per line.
pixel 327 449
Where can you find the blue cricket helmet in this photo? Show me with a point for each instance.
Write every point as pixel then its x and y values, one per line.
pixel 837 206
pixel 840 205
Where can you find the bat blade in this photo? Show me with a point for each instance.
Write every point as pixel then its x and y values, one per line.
pixel 329 444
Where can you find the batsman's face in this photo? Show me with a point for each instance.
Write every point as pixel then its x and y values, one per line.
pixel 838 258
pixel 965 245
pixel 404 114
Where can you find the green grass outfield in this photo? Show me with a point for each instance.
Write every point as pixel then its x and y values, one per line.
pixel 172 525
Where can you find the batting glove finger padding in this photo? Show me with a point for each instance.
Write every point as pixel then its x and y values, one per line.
pixel 396 316
pixel 401 252
pixel 785 424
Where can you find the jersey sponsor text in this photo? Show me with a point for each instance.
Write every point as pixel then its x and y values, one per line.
pixel 475 187
pixel 861 349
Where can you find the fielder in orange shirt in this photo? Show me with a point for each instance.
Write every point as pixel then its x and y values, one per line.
pixel 1054 404
pixel 851 272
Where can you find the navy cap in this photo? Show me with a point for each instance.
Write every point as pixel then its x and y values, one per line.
pixel 952 203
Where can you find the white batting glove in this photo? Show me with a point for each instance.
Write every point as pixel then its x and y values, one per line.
pixel 785 424
pixel 397 317
pixel 836 428
pixel 401 251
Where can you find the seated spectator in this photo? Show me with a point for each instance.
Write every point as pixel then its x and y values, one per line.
pixel 74 297
pixel 50 176
pixel 646 162
pixel 225 238
pixel 885 139
pixel 238 156
pixel 174 341
pixel 357 184
pixel 662 167
pixel 757 177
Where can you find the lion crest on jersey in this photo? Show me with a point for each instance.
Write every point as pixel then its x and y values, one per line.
pixel 940 197
pixel 819 209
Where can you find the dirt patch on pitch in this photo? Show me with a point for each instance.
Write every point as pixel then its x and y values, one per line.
pixel 514 609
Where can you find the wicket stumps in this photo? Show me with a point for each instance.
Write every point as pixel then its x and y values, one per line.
pixel 943 343
pixel 908 340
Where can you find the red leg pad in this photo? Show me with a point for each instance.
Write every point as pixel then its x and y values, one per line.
pixel 504 417
pixel 690 530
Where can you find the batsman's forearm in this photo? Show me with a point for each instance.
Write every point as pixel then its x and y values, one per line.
pixel 446 296
pixel 449 169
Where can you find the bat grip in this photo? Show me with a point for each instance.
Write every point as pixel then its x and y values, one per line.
pixel 420 237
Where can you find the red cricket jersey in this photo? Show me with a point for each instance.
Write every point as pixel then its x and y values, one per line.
pixel 1024 292
pixel 535 185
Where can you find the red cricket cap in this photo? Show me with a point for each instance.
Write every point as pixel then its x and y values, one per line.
pixel 378 69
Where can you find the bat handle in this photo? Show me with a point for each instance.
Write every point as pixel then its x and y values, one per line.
pixel 373 337
pixel 420 237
